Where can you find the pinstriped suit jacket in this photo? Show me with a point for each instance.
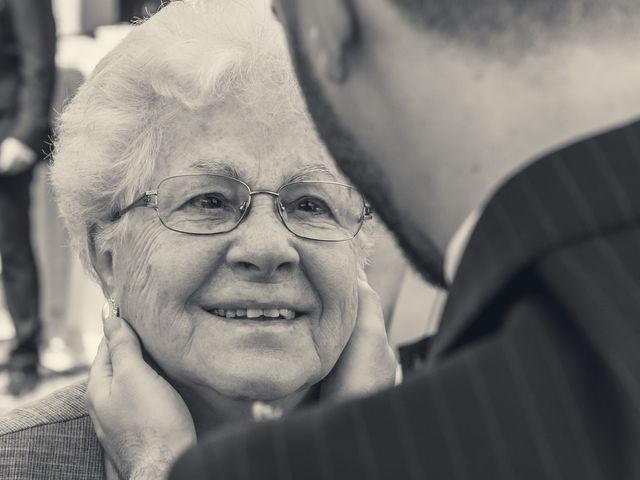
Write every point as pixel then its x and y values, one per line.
pixel 51 439
pixel 536 371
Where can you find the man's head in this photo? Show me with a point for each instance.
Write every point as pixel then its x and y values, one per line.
pixel 428 105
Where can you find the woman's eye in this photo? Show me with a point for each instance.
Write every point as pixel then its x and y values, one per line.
pixel 312 206
pixel 206 201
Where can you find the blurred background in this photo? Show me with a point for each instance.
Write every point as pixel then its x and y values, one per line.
pixel 70 301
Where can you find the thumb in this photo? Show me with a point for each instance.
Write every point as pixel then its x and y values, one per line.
pixel 123 343
pixel 370 319
pixel 101 370
pixel 101 373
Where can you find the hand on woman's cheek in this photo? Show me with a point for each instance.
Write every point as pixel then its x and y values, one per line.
pixel 368 363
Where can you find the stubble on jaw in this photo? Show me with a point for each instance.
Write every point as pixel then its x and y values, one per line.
pixel 353 159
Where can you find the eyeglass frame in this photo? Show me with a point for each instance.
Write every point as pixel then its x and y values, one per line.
pixel 149 199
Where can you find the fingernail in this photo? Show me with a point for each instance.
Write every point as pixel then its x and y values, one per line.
pixel 110 324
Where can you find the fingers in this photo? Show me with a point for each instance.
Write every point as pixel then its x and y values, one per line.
pixel 101 371
pixel 100 376
pixel 370 328
pixel 15 156
pixel 370 315
pixel 123 344
pixel 13 167
pixel 99 384
pixel 6 164
pixel 19 166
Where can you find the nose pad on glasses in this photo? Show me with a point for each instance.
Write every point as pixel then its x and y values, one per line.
pixel 243 207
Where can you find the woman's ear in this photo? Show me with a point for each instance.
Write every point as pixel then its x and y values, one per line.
pixel 330 29
pixel 102 261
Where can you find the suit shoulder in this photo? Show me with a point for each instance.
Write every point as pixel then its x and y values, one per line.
pixel 52 438
pixel 64 405
pixel 597 280
pixel 602 262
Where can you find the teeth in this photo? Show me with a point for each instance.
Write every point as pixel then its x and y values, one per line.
pixel 256 313
pixel 287 314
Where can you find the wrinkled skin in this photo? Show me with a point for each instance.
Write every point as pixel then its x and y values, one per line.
pixel 162 280
pixel 144 425
pixel 166 281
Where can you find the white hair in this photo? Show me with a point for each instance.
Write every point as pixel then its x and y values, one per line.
pixel 188 56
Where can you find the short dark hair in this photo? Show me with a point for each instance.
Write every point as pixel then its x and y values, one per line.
pixel 483 20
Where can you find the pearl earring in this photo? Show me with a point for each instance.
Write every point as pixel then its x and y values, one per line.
pixel 110 309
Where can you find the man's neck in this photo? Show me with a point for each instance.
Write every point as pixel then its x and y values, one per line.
pixel 484 121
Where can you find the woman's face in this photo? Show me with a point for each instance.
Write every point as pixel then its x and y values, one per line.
pixel 170 284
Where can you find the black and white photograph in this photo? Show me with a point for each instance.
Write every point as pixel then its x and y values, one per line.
pixel 320 239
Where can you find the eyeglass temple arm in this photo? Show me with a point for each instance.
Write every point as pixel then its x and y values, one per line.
pixel 147 199
pixel 367 213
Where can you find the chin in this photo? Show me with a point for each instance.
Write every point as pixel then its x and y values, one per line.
pixel 266 380
pixel 265 390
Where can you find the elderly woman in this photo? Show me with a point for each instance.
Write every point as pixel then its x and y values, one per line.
pixel 196 191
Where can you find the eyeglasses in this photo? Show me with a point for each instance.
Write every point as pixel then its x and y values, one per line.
pixel 213 204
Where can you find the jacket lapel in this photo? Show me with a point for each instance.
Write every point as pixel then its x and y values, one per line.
pixel 582 190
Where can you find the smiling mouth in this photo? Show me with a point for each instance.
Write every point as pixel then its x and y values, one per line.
pixel 256 313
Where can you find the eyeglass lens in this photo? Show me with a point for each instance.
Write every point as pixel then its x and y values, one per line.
pixel 208 204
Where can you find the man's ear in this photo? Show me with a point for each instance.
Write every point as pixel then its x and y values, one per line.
pixel 330 30
pixel 102 262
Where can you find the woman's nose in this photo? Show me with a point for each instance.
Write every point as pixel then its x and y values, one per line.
pixel 262 248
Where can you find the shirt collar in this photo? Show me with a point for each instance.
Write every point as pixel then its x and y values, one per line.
pixel 458 244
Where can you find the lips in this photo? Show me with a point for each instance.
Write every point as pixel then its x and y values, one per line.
pixel 255 313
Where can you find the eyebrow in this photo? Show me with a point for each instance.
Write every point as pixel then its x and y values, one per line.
pixel 310 172
pixel 214 167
